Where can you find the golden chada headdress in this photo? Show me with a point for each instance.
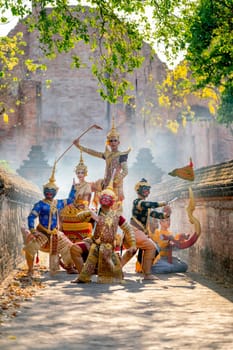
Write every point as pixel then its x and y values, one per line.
pixel 109 189
pixel 113 133
pixel 52 181
pixel 81 166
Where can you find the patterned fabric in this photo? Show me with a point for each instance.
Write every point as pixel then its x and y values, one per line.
pixel 108 262
pixel 114 160
pixel 159 237
pixel 83 193
pixel 43 242
pixel 140 211
pixel 47 211
pixel 102 255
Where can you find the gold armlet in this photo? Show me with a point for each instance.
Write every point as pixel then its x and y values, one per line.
pixel 129 232
pixel 84 215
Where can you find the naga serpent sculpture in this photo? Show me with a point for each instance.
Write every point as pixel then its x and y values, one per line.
pixel 186 243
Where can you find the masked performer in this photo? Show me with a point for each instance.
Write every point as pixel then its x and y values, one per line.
pixel 115 160
pixel 102 253
pixel 142 210
pixel 46 236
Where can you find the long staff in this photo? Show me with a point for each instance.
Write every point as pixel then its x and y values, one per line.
pixel 90 127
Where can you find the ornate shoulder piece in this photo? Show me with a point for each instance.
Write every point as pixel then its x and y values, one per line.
pixel 126 152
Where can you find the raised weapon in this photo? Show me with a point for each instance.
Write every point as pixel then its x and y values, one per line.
pixel 88 129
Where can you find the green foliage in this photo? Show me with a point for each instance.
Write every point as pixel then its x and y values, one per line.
pixel 12 54
pixel 210 50
pixel 116 29
pixel 225 115
pixel 5 165
pixel 207 36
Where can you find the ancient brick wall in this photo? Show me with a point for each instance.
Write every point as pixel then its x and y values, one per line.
pixel 212 254
pixel 16 199
pixel 54 117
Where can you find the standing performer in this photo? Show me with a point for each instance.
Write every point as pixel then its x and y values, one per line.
pixel 114 159
pixel 46 236
pixel 102 255
pixel 140 216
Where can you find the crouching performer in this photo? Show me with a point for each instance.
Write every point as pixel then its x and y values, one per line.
pixel 46 236
pixel 165 262
pixel 102 258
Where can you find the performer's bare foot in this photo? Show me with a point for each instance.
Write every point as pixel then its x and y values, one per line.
pixel 150 277
pixel 30 273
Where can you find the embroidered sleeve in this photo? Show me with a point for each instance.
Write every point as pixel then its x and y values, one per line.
pixel 33 215
pixel 92 152
pixel 147 204
pixel 128 234
pixel 71 196
pixel 156 214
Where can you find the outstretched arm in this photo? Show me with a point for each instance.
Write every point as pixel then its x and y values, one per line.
pixel 90 151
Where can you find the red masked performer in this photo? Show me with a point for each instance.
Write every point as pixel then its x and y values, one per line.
pixel 102 255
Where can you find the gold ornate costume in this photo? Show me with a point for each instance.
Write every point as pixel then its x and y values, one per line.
pixel 73 228
pixel 102 254
pixel 115 161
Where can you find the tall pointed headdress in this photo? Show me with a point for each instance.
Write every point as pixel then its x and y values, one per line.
pixel 113 133
pixel 109 189
pixel 52 181
pixel 81 165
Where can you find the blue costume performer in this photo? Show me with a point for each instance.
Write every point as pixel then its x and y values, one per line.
pixel 46 236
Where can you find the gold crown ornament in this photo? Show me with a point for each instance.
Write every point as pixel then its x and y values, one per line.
pixel 113 133
pixel 81 166
pixel 109 189
pixel 52 181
